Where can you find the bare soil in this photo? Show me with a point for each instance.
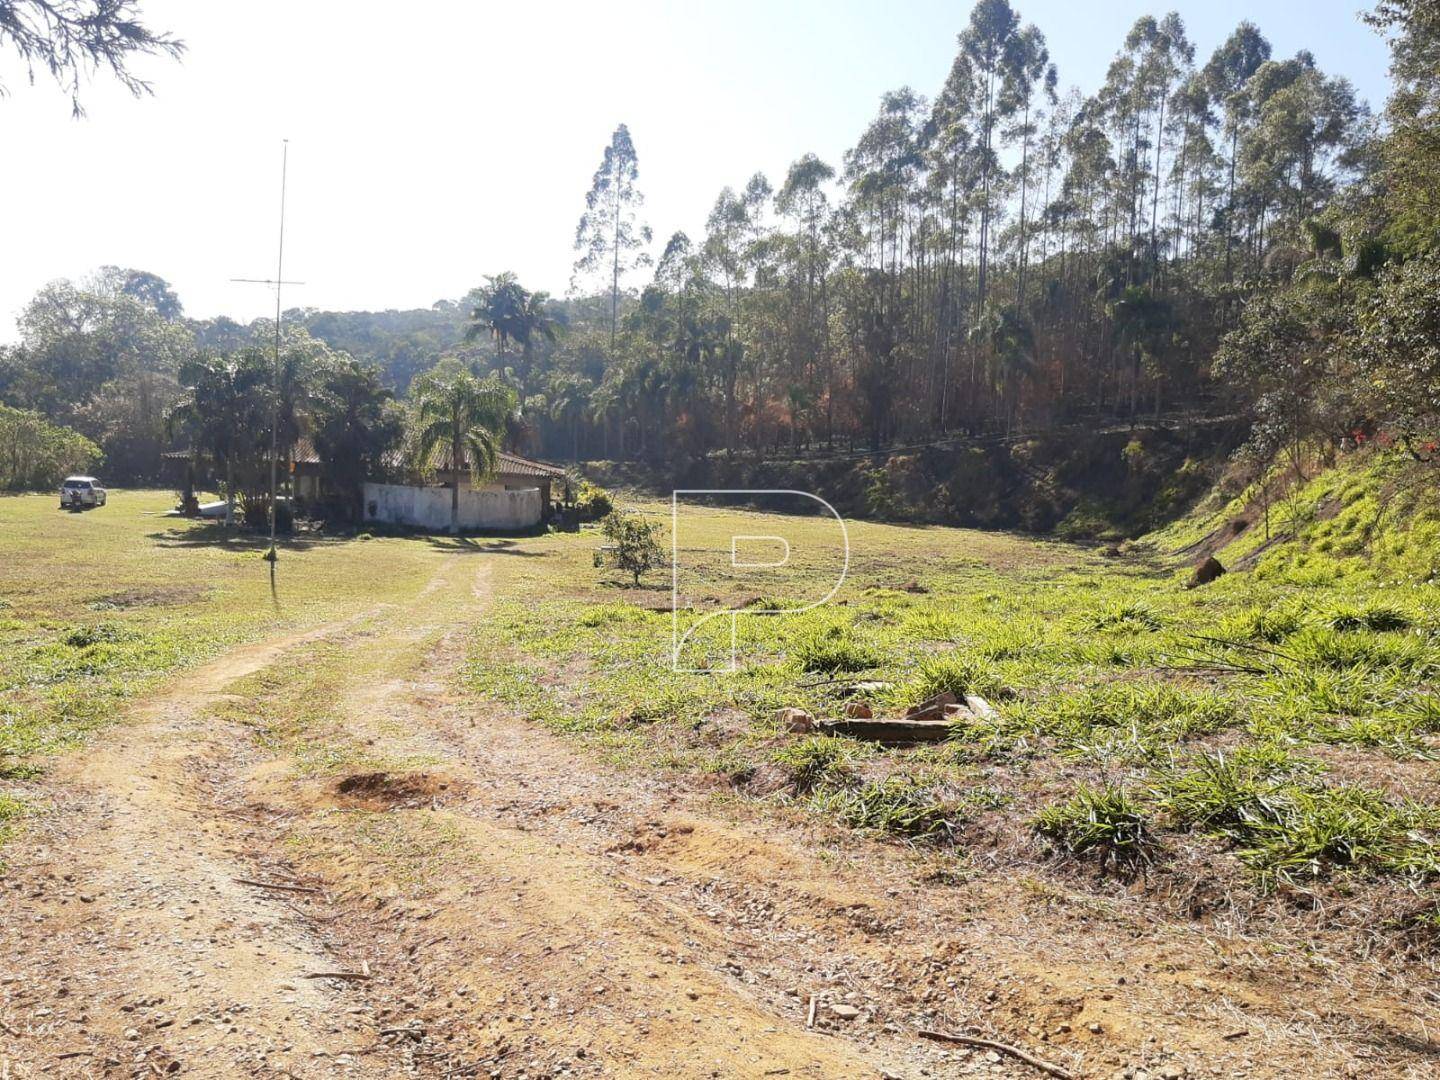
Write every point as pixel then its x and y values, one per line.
pixel 192 903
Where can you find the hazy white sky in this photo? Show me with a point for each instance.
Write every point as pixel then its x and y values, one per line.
pixel 433 143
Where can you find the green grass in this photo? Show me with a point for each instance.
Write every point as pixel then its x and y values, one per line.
pixel 1107 821
pixel 1133 714
pixel 98 607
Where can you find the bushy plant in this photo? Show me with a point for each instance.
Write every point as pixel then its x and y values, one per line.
pixel 632 546
pixel 1107 820
pixel 592 502
pixel 816 761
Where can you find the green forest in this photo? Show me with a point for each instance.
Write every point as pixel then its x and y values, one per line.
pixel 1234 240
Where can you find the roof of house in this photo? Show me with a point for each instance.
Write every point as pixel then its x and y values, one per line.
pixel 508 464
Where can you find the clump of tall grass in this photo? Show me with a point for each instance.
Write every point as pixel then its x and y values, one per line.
pixel 817 761
pixel 1107 821
pixel 834 649
pixel 1127 719
pixel 903 806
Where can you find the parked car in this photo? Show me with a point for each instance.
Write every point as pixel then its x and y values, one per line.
pixel 78 492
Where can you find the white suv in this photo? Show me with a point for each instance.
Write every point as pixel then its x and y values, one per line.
pixel 81 491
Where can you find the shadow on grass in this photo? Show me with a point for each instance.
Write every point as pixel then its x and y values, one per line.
pixel 239 540
pixel 479 545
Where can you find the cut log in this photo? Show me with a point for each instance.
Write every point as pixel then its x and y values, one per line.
pixel 890 732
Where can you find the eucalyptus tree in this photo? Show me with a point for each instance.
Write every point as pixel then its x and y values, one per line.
pixel 1005 59
pixel 803 201
pixel 733 228
pixel 1227 74
pixel 611 237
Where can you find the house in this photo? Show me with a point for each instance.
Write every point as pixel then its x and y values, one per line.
pixel 515 498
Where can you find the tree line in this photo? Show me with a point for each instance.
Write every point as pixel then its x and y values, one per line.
pixel 1199 234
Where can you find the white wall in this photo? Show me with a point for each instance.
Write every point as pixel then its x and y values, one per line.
pixel 429 507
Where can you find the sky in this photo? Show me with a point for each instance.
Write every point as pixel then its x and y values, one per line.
pixel 433 143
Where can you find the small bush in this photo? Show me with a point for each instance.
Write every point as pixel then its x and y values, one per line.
pixel 633 547
pixel 1348 827
pixel 1106 820
pixel 1229 792
pixel 1270 625
pixel 1135 617
pixel 85 636
pixel 957 673
pixel 592 502
pixel 1377 617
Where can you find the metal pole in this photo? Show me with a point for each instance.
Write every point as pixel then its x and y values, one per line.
pixel 275 373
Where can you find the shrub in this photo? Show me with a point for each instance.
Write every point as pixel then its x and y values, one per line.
pixel 1229 792
pixel 36 454
pixel 957 673
pixel 632 543
pixel 834 649
pixel 1377 617
pixel 1348 827
pixel 1137 617
pixel 592 501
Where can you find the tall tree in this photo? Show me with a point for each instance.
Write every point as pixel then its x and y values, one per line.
pixel 1227 73
pixel 611 237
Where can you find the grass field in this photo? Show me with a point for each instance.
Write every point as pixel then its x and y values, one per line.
pixel 99 606
pixel 1272 731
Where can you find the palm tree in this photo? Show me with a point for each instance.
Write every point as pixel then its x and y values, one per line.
pixel 469 417
pixel 512 315
pixel 569 402
pixel 224 408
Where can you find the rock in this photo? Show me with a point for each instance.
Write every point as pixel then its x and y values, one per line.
pixel 1094 1028
pixel 858 710
pixel 844 1012
pixel 980 707
pixel 1206 572
pixel 867 687
pixel 793 719
pixel 934 704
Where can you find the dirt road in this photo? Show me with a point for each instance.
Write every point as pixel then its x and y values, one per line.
pixel 219 890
